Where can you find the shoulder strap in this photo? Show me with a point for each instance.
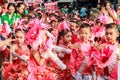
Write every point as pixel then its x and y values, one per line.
pixel 118 51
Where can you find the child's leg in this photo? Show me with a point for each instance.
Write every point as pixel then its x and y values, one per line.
pixel 100 78
pixel 87 77
pixel 94 76
pixel 78 76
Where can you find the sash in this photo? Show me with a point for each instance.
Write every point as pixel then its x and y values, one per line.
pixel 118 69
pixel 118 63
pixel 114 63
pixel 84 64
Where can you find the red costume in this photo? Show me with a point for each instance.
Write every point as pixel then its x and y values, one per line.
pixel 108 61
pixel 80 60
pixel 18 68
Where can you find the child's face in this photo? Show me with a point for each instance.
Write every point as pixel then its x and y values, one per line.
pixel 68 37
pixel 5 5
pixel 74 27
pixel 103 9
pixel 54 24
pixel 108 6
pixel 111 35
pixel 20 37
pixel 85 34
pixel 11 10
pixel 21 9
pixel 0 9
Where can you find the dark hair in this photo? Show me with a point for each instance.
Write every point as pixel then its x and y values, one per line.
pixel 11 4
pixel 1 11
pixel 60 19
pixel 85 25
pixel 62 33
pixel 111 26
pixel 53 21
pixel 52 14
pixel 5 2
pixel 19 4
pixel 31 8
pixel 21 30
pixel 39 15
pixel 73 20
pixel 107 1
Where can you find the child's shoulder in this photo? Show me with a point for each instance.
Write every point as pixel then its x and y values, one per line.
pixel 118 45
pixel 75 45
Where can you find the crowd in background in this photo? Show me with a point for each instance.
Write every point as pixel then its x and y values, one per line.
pixel 55 44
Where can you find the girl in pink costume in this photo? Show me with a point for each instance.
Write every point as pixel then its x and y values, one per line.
pixel 74 26
pixel 16 68
pixel 64 40
pixel 38 67
pixel 42 51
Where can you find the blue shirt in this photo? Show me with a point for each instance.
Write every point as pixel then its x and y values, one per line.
pixel 83 12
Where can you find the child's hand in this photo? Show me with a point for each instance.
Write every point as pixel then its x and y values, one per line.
pixel 100 46
pixel 0 28
pixel 119 57
pixel 14 25
pixel 7 42
pixel 74 46
pixel 61 54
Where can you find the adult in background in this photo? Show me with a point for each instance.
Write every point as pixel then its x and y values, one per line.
pixel 118 12
pixel 83 11
pixel 20 10
pixel 4 6
pixel 75 11
pixel 111 12
pixel 0 12
pixel 64 9
pixel 10 15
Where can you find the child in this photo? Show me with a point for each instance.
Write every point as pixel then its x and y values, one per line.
pixel 109 53
pixel 54 28
pixel 74 26
pixel 38 67
pixel 98 32
pixel 16 68
pixel 64 40
pixel 80 61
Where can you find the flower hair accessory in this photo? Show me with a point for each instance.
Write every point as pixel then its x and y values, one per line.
pixel 64 25
pixel 34 34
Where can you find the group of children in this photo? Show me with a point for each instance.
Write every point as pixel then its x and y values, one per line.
pixel 50 46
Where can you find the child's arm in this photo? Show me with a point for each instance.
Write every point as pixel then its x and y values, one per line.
pixel 6 42
pixel 113 14
pixel 20 57
pixel 36 55
pixel 75 46
pixel 61 49
pixel 54 57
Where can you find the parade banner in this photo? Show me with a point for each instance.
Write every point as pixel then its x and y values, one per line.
pixel 51 6
pixel 28 2
pixel 11 1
